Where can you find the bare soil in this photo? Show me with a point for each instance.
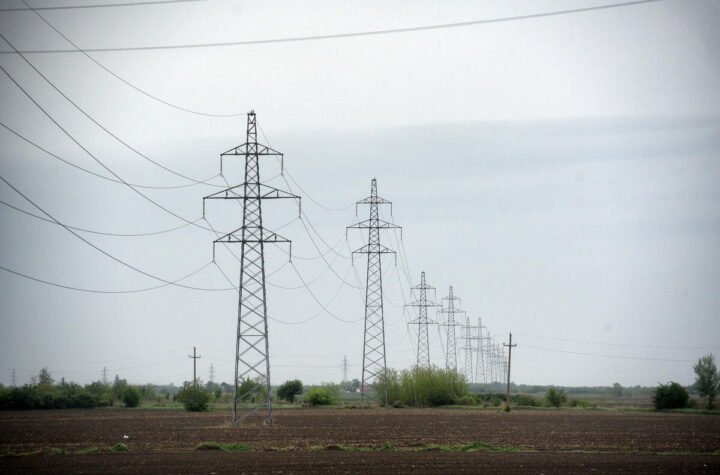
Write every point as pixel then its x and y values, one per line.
pixel 362 440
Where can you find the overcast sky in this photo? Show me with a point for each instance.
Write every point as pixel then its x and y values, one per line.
pixel 561 173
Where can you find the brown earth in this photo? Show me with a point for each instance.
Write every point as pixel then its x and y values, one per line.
pixel 363 440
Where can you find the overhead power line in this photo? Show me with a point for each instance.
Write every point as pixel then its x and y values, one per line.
pixel 96 291
pixel 629 345
pixel 389 31
pixel 94 121
pixel 90 154
pixel 99 5
pixel 621 357
pixel 123 80
pixel 97 232
pixel 67 162
pixel 100 250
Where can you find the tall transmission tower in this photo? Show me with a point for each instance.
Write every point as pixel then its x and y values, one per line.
pixel 374 363
pixel 344 369
pixel 212 373
pixel 468 337
pixel 450 323
pixel 480 372
pixel 422 321
pixel 252 347
pixel 490 362
pixel 14 378
pixel 104 376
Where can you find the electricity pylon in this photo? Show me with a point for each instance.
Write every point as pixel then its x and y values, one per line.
pixel 374 363
pixel 480 371
pixel 422 304
pixel 252 348
pixel 468 350
pixel 490 362
pixel 450 323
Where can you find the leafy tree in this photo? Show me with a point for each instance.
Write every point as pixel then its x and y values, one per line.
pixel 555 397
pixel 707 381
pixel 118 388
pixel 324 395
pixel 44 378
pixel 350 386
pixel 131 397
pixel 290 389
pixel 617 390
pixel 670 396
pixel 251 390
pixel 194 399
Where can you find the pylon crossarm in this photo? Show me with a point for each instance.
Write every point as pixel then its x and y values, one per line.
pixel 422 303
pixel 374 223
pixel 266 192
pixel 243 150
pixel 373 200
pixel 373 249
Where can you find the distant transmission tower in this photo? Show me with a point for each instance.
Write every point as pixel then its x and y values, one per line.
pixel 480 372
pixel 104 376
pixel 344 369
pixel 374 362
pixel 422 321
pixel 468 338
pixel 252 348
pixel 490 362
pixel 14 381
pixel 450 323
pixel 212 373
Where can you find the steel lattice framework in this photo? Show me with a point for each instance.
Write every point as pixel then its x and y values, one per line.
pixel 422 304
pixel 468 336
pixel 450 323
pixel 480 371
pixel 252 348
pixel 374 361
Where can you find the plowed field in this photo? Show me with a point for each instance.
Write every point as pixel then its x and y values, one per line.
pixel 361 440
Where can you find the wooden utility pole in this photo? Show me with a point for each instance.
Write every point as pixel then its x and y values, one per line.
pixel 510 347
pixel 195 357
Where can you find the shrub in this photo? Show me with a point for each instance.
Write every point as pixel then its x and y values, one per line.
pixel 324 395
pixel 670 396
pixel 251 390
pixel 466 400
pixel 422 387
pixel 389 387
pixel 194 399
pixel 574 402
pixel 290 389
pixel 131 397
pixel 555 397
pixel 524 400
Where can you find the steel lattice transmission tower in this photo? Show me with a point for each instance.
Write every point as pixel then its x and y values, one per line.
pixel 480 371
pixel 468 349
pixel 422 321
pixel 490 361
pixel 450 323
pixel 374 361
pixel 252 348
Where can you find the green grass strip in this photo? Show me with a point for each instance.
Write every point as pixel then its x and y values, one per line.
pixel 224 447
